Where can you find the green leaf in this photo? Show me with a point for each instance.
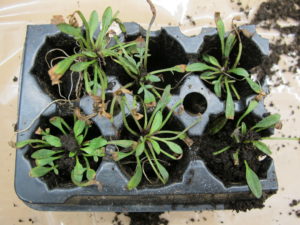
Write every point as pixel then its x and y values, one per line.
pixel 197 67
pixel 77 172
pixel 22 144
pixel 217 125
pixel 153 78
pixel 157 122
pixel 165 98
pixel 80 66
pixel 107 18
pixel 217 88
pixel 252 105
pixel 39 171
pixel 79 139
pixel 221 30
pixel 244 128
pixel 155 146
pixel 164 173
pixel 64 64
pixel 254 86
pixel 43 153
pixel 208 75
pixel 174 147
pixel 122 143
pixel 79 127
pixel 97 142
pixel 222 150
pixel 90 174
pixel 212 60
pixel 137 177
pixel 230 41
pixel 58 122
pixel 253 181
pixel 239 71
pixel 140 148
pixel 93 23
pixel 267 122
pixel 52 140
pixel 262 147
pixel 121 155
pixel 89 54
pixel 121 25
pixel 148 97
pixel 46 161
pixel 229 111
pixel 68 29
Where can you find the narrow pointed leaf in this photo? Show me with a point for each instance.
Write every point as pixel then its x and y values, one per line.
pixel 164 173
pixel 43 153
pixel 93 23
pixel 90 174
pixel 157 122
pixel 230 41
pixel 174 147
pixel 79 127
pixel 252 105
pixel 68 29
pixel 121 155
pixel 229 111
pixel 22 144
pixel 80 66
pixel 217 125
pixel 155 146
pixel 64 64
pixel 137 177
pixel 254 86
pixel 197 67
pixel 239 71
pixel 267 122
pixel 58 122
pixel 253 181
pixel 221 30
pixel 140 148
pixel 212 60
pixel 122 143
pixel 39 171
pixel 148 97
pixel 262 147
pixel 53 140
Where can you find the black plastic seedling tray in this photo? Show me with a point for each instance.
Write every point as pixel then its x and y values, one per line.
pixel 196 188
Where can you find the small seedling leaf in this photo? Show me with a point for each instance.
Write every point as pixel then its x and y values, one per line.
pixel 262 147
pixel 174 147
pixel 155 146
pixel 221 30
pixel 80 66
pixel 107 18
pixel 68 29
pixel 229 112
pixel 97 143
pixel 90 174
pixel 217 88
pixel 58 122
pixel 217 125
pixel 254 86
pixel 148 97
pixel 45 161
pixel 123 143
pixel 157 122
pixel 22 144
pixel 267 122
pixel 79 127
pixel 239 71
pixel 253 181
pixel 230 41
pixel 121 155
pixel 164 173
pixel 93 23
pixel 197 67
pixel 140 148
pixel 77 172
pixel 137 177
pixel 52 140
pixel 153 78
pixel 43 153
pixel 252 105
pixel 89 54
pixel 244 128
pixel 165 98
pixel 212 60
pixel 39 171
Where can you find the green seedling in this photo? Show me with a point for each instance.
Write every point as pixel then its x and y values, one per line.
pixel 147 149
pixel 93 51
pixel 134 61
pixel 224 73
pixel 242 136
pixel 71 143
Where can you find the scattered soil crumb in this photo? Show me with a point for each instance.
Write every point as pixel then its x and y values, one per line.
pixel 15 79
pixel 191 20
pixel 294 202
pixel 20 221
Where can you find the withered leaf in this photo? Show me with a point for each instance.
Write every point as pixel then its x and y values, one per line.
pixel 54 77
pixel 57 19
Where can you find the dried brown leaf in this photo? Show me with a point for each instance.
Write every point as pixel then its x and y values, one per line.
pixel 136 115
pixel 54 77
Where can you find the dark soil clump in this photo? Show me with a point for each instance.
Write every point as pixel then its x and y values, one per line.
pixel 152 218
pixel 267 17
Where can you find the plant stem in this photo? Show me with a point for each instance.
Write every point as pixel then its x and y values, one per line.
pixel 280 138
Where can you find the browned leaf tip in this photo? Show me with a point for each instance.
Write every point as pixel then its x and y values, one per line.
pixel 260 96
pixel 82 117
pixel 136 115
pixel 54 77
pixel 188 141
pixel 115 156
pixel 217 16
pixel 182 68
pixel 57 19
pixel 39 131
pixel 151 104
pixel 121 91
pixel 72 20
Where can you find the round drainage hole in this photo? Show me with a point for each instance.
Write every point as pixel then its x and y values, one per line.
pixel 194 103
